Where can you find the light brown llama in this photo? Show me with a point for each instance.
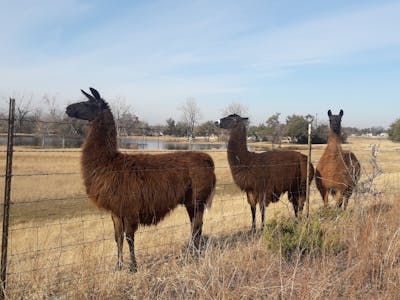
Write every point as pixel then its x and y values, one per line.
pixel 139 188
pixel 338 171
pixel 265 176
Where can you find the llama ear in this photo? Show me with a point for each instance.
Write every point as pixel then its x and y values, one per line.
pixel 95 93
pixel 90 97
pixel 329 113
pixel 341 113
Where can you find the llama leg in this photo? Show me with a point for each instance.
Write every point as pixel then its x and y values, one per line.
pixel 295 202
pixel 131 228
pixel 346 198
pixel 339 199
pixel 253 218
pixel 197 225
pixel 301 200
pixel 262 210
pixel 252 201
pixel 119 238
pixel 196 222
pixel 325 195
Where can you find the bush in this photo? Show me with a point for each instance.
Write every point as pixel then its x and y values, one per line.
pixel 394 131
pixel 292 237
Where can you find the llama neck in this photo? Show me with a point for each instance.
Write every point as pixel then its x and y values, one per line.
pixel 334 142
pixel 101 140
pixel 237 145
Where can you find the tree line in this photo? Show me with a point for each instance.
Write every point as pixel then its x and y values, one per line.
pixel 50 120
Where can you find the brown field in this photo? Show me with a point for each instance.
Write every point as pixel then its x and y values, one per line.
pixel 62 247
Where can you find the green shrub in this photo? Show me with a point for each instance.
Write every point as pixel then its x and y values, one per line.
pixel 292 237
pixel 394 131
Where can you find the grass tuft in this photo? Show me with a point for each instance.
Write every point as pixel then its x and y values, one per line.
pixel 292 238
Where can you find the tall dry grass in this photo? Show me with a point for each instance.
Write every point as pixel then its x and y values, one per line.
pixel 62 247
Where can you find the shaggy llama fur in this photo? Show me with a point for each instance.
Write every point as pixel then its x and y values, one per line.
pixel 265 176
pixel 338 171
pixel 139 188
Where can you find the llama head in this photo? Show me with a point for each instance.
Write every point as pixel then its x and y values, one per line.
pixel 335 121
pixel 87 110
pixel 231 121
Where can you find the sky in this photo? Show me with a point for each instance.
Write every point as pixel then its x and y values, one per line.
pixel 288 56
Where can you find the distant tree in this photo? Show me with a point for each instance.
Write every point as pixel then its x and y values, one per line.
pixel 54 119
pixel 3 122
pixel 235 108
pixel 319 135
pixel 275 129
pixel 190 115
pixel 126 122
pixel 352 130
pixel 259 132
pixel 181 129
pixel 375 131
pixel 206 129
pixel 23 115
pixel 394 131
pixel 170 128
pixel 297 128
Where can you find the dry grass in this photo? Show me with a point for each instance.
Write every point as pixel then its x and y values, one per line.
pixel 64 248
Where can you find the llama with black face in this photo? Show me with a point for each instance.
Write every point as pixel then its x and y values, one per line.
pixel 338 171
pixel 139 189
pixel 265 176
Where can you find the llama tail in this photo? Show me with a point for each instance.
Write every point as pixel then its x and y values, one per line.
pixel 210 199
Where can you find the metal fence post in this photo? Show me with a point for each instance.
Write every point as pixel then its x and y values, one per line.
pixel 308 170
pixel 7 194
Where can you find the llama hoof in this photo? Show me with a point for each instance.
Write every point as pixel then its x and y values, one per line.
pixel 118 266
pixel 133 268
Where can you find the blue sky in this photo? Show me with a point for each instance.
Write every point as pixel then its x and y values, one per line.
pixel 292 57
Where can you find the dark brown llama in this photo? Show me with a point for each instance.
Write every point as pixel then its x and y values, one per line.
pixel 338 171
pixel 139 188
pixel 265 176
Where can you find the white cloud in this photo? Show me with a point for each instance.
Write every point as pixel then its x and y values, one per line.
pixel 162 55
pixel 325 39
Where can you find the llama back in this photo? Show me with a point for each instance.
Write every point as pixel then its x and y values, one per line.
pixel 272 172
pixel 202 176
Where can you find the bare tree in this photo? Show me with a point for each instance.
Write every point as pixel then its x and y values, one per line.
pixel 119 107
pixel 125 119
pixel 23 108
pixel 190 114
pixel 235 108
pixel 54 117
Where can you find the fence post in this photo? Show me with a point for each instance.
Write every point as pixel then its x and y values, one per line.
pixel 308 170
pixel 7 194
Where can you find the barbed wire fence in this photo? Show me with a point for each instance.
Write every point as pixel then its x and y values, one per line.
pixel 50 229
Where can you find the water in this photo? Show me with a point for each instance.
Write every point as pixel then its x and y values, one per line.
pixel 143 144
pixel 125 143
pixel 44 141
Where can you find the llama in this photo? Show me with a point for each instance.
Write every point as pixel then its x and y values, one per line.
pixel 139 189
pixel 338 171
pixel 265 176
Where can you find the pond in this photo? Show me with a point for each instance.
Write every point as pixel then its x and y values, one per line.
pixel 125 143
